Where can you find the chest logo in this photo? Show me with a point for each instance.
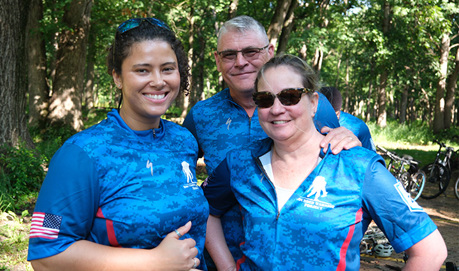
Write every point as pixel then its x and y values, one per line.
pixel 315 191
pixel 228 122
pixel 317 188
pixel 150 166
pixel 186 170
pixel 189 176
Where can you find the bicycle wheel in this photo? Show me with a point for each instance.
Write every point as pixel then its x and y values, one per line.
pixel 417 184
pixel 437 180
pixel 456 189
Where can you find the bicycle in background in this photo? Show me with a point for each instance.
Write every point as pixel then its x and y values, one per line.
pixel 456 188
pixel 407 171
pixel 438 172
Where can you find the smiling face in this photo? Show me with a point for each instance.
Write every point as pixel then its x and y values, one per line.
pixel 286 123
pixel 240 74
pixel 150 82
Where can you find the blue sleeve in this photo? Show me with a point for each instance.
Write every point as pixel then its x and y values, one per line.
pixel 69 197
pixel 365 137
pixel 191 126
pixel 217 189
pixel 401 218
pixel 325 115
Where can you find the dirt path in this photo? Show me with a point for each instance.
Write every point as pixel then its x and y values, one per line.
pixel 444 211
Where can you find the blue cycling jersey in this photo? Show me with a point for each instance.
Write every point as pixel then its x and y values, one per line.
pixel 115 186
pixel 359 128
pixel 219 125
pixel 320 227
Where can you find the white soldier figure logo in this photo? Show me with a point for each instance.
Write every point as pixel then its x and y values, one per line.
pixel 186 170
pixel 318 188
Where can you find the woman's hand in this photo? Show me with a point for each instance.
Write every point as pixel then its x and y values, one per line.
pixel 176 254
pixel 339 138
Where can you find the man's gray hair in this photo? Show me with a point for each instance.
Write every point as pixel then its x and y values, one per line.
pixel 242 24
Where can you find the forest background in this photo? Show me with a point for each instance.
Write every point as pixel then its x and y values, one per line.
pixel 396 63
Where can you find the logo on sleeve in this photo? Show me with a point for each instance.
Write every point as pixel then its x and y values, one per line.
pixel 316 190
pixel 410 202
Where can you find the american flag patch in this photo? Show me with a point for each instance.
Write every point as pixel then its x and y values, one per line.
pixel 45 225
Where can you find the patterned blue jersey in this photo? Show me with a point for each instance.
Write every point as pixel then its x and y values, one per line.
pixel 320 227
pixel 118 187
pixel 219 124
pixel 359 128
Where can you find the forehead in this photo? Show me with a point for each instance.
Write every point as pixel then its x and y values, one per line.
pixel 236 40
pixel 278 78
pixel 150 51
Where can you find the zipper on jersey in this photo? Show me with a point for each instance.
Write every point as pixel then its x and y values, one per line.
pixel 265 175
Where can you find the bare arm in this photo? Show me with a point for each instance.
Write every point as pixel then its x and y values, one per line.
pixel 216 245
pixel 427 254
pixel 339 138
pixel 171 254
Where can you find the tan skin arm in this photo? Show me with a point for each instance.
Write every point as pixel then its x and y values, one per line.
pixel 427 254
pixel 339 138
pixel 171 254
pixel 216 245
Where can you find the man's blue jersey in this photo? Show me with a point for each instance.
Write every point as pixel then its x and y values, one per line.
pixel 359 128
pixel 118 187
pixel 219 124
pixel 320 227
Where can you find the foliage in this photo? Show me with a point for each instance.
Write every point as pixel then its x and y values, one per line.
pixel 13 241
pixel 414 139
pixel 21 175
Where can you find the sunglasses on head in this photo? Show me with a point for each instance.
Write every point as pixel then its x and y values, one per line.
pixel 135 22
pixel 289 96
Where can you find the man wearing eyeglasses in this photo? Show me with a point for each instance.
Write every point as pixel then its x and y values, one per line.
pixel 228 120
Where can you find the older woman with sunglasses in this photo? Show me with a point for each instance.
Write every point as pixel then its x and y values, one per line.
pixel 122 195
pixel 304 209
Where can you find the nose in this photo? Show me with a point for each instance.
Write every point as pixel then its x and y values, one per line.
pixel 277 108
pixel 240 59
pixel 156 80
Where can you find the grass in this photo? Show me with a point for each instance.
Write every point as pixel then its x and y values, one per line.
pixel 14 241
pixel 414 140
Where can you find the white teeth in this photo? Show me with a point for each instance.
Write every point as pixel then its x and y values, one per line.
pixel 279 121
pixel 156 97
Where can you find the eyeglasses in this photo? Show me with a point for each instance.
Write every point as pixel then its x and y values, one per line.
pixel 248 53
pixel 135 22
pixel 289 96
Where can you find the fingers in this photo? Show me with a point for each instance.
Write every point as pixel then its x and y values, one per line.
pixel 178 233
pixel 195 263
pixel 339 138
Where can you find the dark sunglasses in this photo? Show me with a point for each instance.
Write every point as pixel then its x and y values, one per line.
pixel 135 22
pixel 289 96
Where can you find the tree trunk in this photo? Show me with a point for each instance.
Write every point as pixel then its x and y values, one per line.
pixel 287 29
pixel 88 96
pixel 382 114
pixel 232 9
pixel 439 115
pixel 183 101
pixel 450 90
pixel 13 81
pixel 68 85
pixel 404 104
pixel 36 58
pixel 277 21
